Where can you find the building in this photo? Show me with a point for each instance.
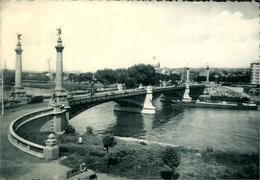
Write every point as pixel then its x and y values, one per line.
pixel 255 73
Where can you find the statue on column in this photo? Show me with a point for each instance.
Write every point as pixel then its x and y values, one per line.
pixel 59 32
pixel 19 37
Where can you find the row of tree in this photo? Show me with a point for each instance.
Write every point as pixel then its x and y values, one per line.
pixel 131 77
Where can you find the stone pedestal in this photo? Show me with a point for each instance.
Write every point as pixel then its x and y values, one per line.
pixel 51 150
pixel 148 107
pixel 19 94
pixel 60 118
pixel 120 87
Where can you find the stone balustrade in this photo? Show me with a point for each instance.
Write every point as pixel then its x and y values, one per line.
pixel 23 144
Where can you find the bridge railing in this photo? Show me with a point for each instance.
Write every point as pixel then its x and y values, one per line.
pixel 21 143
pixel 105 96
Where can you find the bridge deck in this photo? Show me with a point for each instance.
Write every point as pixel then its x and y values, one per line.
pixel 112 95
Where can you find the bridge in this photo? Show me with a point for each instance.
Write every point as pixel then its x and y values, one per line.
pixel 55 118
pixel 133 100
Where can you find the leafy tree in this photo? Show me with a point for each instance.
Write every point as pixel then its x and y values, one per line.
pixel 9 76
pixel 108 141
pixel 121 75
pixel 106 76
pixel 89 130
pixel 171 157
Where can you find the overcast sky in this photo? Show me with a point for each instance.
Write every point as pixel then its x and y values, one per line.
pixel 99 35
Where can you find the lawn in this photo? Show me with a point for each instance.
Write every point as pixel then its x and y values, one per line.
pixel 143 161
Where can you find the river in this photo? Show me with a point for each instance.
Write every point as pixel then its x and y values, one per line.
pixel 221 129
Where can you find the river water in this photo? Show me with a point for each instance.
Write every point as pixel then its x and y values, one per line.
pixel 222 129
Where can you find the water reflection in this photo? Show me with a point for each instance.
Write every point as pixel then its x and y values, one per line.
pixel 127 124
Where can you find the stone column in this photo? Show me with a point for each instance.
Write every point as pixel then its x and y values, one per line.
pixel 148 107
pixel 187 75
pixel 59 65
pixel 18 92
pixel 18 66
pixel 59 94
pixel 59 101
pixel 186 96
pixel 207 76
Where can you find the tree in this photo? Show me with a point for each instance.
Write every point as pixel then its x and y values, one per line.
pixel 171 157
pixel 89 130
pixel 108 141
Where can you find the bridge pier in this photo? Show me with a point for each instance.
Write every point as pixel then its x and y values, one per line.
pixel 148 107
pixel 186 95
pixel 140 104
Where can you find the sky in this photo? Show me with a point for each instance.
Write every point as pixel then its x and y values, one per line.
pixel 103 34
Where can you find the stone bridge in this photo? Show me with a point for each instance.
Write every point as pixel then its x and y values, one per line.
pixel 55 118
pixel 133 100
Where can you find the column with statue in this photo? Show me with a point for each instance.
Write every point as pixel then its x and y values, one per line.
pixel 18 93
pixel 59 100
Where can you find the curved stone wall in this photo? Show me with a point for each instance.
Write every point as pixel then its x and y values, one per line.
pixel 23 144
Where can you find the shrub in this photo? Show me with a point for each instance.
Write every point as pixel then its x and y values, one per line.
pixel 70 130
pixel 97 153
pixel 209 149
pixel 89 130
pixel 108 141
pixel 171 157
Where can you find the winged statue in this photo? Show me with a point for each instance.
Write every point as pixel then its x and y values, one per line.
pixel 19 36
pixel 59 31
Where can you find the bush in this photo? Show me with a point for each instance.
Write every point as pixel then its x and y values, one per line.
pixel 209 149
pixel 70 130
pixel 171 157
pixel 89 130
pixel 97 153
pixel 108 141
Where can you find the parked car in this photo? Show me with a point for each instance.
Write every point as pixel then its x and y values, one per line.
pixel 34 99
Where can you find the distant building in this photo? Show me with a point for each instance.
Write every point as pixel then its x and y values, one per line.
pixel 255 73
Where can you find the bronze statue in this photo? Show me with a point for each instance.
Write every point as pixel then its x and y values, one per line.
pixel 59 32
pixel 19 36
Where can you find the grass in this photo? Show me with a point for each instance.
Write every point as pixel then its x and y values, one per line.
pixel 142 161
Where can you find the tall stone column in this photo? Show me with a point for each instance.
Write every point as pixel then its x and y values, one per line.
pixel 59 65
pixel 18 66
pixel 207 76
pixel 59 94
pixel 187 75
pixel 18 92
pixel 186 96
pixel 59 100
